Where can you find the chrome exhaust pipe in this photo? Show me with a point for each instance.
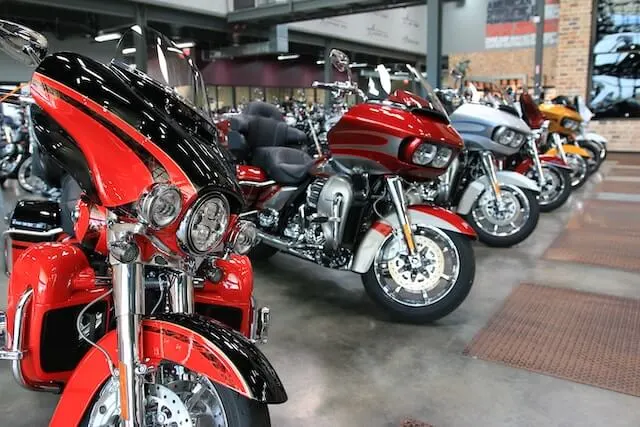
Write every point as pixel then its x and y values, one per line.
pixel 284 246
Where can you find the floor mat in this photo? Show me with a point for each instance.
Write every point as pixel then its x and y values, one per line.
pixel 583 337
pixel 414 423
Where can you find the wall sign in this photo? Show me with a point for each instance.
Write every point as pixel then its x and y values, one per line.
pixel 615 73
pixel 510 23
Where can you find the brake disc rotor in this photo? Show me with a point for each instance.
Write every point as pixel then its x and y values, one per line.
pixel 424 278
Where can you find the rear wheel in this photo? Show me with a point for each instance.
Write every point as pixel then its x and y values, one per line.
pixel 176 396
pixel 426 291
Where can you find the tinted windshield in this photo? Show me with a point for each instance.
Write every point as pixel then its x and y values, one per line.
pixel 386 79
pixel 166 63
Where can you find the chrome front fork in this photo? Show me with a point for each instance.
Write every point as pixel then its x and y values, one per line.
pixel 488 164
pixel 394 186
pixel 557 141
pixel 536 162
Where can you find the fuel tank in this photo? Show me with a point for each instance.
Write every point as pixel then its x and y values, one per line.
pixel 116 131
pixel 373 136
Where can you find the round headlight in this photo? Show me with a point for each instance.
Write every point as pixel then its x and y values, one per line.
pixel 160 206
pixel 518 140
pixel 243 236
pixel 205 224
pixel 424 154
pixel 442 158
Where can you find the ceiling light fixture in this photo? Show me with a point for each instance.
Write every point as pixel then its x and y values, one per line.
pixel 107 37
pixel 358 65
pixel 285 57
pixel 128 50
pixel 320 62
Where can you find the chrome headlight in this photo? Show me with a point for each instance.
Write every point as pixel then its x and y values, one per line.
pixel 205 224
pixel 570 124
pixel 509 137
pixel 431 155
pixel 160 206
pixel 243 237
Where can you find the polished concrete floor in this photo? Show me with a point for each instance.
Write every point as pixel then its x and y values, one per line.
pixel 345 365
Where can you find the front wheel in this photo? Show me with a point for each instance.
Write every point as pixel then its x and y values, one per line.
pixel 593 162
pixel 509 223
pixel 556 188
pixel 579 170
pixel 427 290
pixel 175 396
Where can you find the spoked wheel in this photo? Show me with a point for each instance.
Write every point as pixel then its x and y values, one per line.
pixel 579 170
pixel 27 180
pixel 428 287
pixel 506 224
pixel 556 188
pixel 177 397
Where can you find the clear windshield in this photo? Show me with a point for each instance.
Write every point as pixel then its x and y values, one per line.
pixel 165 63
pixel 386 79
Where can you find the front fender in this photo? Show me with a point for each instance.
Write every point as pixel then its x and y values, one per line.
pixel 574 149
pixel 480 185
pixel 554 161
pixel 195 342
pixel 431 216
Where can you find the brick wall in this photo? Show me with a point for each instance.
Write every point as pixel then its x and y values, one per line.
pixel 565 66
pixel 509 62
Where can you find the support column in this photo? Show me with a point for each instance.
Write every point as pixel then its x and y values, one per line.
pixel 328 74
pixel 141 42
pixel 537 72
pixel 434 42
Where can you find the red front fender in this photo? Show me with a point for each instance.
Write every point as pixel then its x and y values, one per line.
pixel 194 342
pixel 526 164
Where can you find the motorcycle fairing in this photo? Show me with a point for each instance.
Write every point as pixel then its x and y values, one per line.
pixel 482 184
pixel 431 216
pixel 168 137
pixel 193 341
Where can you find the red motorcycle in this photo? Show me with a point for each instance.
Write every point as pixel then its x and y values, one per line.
pixel 348 210
pixel 112 299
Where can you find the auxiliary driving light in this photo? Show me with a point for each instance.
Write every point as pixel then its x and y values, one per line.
pixel 243 237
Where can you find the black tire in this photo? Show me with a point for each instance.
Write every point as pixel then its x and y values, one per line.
pixel 560 200
pixel 262 252
pixel 508 241
pixel 240 411
pixel 441 308
pixel 595 161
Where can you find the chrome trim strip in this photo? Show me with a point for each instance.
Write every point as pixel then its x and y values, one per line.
pixel 257 184
pixel 48 233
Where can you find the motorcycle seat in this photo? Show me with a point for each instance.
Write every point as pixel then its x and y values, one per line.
pixel 284 165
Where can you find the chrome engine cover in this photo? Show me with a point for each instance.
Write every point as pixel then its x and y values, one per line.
pixel 334 203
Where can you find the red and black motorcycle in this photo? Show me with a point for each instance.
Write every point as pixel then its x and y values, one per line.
pixel 348 209
pixel 116 310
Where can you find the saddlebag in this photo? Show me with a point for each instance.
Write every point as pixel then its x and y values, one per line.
pixel 32 222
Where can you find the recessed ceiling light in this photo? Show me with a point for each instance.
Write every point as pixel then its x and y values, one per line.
pixel 185 45
pixel 107 37
pixel 285 57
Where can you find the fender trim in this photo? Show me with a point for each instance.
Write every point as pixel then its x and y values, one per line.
pixel 431 216
pixel 477 187
pixel 574 149
pixel 196 342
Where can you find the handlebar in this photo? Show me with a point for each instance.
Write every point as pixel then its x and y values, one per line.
pixel 341 86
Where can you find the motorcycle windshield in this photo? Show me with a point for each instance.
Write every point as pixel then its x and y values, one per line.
pixel 388 78
pixel 165 63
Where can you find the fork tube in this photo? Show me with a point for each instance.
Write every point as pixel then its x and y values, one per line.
pixel 182 294
pixel 558 143
pixel 536 162
pixel 128 296
pixel 490 169
pixel 394 184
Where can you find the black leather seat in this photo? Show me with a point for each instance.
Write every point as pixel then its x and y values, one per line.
pixel 284 165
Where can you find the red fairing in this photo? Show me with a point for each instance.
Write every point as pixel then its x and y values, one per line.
pixel 379 133
pixel 60 276
pixel 161 341
pixel 234 290
pixel 104 151
pixel 91 227
pixel 407 98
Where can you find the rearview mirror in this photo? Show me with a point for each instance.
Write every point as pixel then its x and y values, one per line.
pixel 22 43
pixel 339 60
